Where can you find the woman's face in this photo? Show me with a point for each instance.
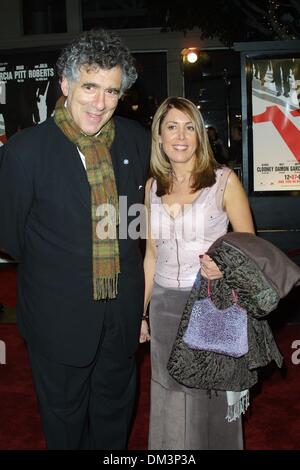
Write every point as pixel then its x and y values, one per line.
pixel 178 137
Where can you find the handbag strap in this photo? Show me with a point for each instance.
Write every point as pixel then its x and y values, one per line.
pixel 233 292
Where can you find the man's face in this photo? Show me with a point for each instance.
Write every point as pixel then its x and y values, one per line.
pixel 92 99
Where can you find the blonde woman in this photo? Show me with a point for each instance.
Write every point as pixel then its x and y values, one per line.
pixel 190 199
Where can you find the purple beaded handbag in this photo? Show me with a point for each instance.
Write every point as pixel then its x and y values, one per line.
pixel 220 331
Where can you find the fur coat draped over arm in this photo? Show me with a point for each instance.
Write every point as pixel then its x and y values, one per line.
pixel 261 274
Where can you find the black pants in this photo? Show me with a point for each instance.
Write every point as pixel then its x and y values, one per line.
pixel 87 407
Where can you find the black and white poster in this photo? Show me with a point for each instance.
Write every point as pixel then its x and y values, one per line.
pixel 29 88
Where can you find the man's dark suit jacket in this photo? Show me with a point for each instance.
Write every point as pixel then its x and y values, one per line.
pixel 45 224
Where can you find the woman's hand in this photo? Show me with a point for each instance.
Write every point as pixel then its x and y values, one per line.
pixel 144 334
pixel 209 269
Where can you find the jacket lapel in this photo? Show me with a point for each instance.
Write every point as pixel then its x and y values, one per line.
pixel 128 170
pixel 122 168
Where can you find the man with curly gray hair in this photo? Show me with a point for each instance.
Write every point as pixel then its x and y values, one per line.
pixel 97 48
pixel 80 289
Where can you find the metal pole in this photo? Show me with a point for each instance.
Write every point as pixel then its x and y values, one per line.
pixel 227 101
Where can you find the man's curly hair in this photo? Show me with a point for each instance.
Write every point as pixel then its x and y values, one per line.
pixel 97 48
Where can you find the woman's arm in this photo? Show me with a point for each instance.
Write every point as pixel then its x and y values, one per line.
pixel 238 210
pixel 237 206
pixel 149 265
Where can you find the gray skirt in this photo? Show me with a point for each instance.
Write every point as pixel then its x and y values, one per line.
pixel 182 418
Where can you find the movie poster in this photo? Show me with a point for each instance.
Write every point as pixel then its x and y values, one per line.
pixel 276 124
pixel 29 89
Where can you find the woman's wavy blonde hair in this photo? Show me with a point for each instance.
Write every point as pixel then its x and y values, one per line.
pixel 203 174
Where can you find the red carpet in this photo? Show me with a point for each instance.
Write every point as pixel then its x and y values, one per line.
pixel 273 422
pixel 20 426
pixel 8 285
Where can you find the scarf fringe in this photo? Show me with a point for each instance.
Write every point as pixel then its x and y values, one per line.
pixel 106 288
pixel 234 411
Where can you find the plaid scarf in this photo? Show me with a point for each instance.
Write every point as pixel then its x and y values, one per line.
pixel 101 177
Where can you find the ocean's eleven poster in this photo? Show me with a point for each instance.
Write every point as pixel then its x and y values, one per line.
pixel 29 88
pixel 276 124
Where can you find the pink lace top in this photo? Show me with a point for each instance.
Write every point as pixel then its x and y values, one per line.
pixel 180 240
